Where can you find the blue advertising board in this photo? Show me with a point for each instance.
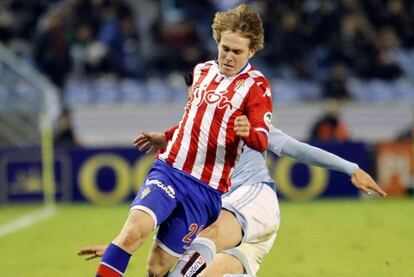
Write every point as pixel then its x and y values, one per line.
pixel 21 174
pixel 113 175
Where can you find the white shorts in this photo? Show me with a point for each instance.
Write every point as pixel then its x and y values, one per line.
pixel 257 209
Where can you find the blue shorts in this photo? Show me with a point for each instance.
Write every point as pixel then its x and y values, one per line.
pixel 179 203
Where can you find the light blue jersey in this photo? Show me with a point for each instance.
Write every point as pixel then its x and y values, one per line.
pixel 252 169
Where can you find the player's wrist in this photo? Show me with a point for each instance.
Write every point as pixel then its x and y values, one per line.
pixel 353 168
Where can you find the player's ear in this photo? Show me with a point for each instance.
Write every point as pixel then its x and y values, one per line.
pixel 252 51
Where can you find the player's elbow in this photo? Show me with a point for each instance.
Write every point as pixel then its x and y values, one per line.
pixel 261 146
pixel 257 140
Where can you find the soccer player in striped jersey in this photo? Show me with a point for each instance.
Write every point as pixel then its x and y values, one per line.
pixel 182 192
pixel 246 228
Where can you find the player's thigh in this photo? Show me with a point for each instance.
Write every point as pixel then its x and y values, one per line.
pixel 256 208
pixel 198 207
pixel 223 263
pixel 159 261
pixel 251 255
pixel 226 231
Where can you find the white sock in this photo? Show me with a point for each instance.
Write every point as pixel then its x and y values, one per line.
pixel 195 259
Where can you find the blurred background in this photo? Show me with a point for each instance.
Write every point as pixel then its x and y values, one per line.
pixel 83 76
pixel 80 79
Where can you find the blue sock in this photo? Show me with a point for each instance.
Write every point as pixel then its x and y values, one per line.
pixel 114 262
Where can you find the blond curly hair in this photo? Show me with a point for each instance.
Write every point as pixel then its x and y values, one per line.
pixel 243 20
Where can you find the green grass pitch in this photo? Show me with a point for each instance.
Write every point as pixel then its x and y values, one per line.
pixel 373 237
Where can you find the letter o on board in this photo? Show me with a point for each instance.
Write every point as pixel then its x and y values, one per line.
pixel 316 185
pixel 89 187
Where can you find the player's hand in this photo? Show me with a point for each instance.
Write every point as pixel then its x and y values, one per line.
pixel 242 126
pixel 92 252
pixel 364 182
pixel 150 141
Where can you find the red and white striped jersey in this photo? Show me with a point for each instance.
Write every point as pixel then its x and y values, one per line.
pixel 205 144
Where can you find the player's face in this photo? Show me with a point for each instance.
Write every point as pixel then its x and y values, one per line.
pixel 233 53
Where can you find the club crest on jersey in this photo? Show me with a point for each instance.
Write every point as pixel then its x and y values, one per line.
pixel 145 192
pixel 239 84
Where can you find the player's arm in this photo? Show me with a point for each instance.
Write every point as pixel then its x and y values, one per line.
pixel 311 155
pixel 150 141
pixel 254 126
pixel 253 138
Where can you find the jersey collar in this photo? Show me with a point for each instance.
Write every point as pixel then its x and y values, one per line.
pixel 245 69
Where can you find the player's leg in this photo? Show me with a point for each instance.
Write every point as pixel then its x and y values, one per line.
pixel 160 262
pixel 224 233
pixel 249 256
pixel 134 232
pixel 152 205
pixel 136 229
pixel 251 212
pixel 223 263
pixel 199 207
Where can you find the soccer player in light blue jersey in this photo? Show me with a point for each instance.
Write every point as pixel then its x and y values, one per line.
pixel 246 228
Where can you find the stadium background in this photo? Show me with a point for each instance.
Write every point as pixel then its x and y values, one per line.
pixel 79 79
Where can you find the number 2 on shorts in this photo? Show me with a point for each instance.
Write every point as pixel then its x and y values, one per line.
pixel 193 229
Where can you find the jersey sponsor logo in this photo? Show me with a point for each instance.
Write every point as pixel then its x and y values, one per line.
pixel 168 189
pixel 211 97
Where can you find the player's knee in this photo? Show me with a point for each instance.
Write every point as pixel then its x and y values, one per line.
pixel 211 233
pixel 160 262
pixel 156 270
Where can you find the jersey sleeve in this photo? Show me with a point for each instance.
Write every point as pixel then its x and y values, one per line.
pixel 259 113
pixel 284 145
pixel 170 132
pixel 277 140
pixel 311 155
pixel 168 136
